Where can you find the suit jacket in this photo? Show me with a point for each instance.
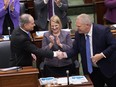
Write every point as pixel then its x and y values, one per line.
pixel 111 10
pixel 22 47
pixel 66 41
pixel 103 41
pixel 42 13
pixel 13 15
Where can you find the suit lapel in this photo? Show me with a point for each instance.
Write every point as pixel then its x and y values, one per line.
pixel 94 38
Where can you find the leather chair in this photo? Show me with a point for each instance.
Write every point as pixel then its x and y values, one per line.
pixel 5 54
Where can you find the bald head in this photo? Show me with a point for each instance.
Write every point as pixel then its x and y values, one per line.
pixel 27 22
pixel 25 18
pixel 84 19
pixel 83 23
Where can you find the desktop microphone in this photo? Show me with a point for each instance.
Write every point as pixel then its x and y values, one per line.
pixel 9 32
pixel 67 72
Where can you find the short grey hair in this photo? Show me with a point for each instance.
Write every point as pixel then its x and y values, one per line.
pixel 84 18
pixel 24 18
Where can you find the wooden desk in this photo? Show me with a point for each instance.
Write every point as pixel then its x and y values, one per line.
pixel 86 84
pixel 27 77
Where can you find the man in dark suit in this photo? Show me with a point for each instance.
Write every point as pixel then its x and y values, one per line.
pixel 42 12
pixel 21 45
pixel 102 51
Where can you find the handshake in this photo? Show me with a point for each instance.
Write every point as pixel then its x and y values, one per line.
pixel 60 54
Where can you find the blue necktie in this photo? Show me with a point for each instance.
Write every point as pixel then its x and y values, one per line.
pixel 88 54
pixel 50 8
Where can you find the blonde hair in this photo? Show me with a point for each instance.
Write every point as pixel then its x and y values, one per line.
pixel 55 19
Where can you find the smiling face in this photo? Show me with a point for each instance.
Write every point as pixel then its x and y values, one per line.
pixel 55 25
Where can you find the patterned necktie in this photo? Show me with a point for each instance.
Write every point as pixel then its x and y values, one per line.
pixel 88 54
pixel 50 9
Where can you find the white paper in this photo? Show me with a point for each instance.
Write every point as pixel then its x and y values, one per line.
pixel 63 80
pixel 114 25
pixel 10 68
pixel 66 30
pixel 40 33
pixel 6 37
pixel 77 79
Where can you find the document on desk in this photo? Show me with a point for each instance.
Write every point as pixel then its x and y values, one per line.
pixel 63 80
pixel 47 80
pixel 77 79
pixel 72 80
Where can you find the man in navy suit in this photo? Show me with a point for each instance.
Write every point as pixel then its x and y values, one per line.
pixel 103 51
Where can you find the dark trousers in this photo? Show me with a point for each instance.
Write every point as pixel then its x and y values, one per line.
pixel 99 80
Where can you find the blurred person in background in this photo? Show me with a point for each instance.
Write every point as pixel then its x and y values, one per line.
pixel 9 15
pixel 110 15
pixel 47 8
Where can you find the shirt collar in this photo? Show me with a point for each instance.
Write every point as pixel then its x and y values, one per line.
pixel 24 30
pixel 90 32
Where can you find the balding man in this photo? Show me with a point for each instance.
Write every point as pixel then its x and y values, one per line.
pixel 21 45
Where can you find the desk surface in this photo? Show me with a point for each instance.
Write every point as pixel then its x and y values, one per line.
pixel 23 70
pixel 86 84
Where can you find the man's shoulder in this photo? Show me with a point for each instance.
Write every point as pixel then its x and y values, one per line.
pixel 18 34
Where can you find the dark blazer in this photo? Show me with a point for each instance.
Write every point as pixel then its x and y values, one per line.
pixel 103 41
pixel 22 47
pixel 41 13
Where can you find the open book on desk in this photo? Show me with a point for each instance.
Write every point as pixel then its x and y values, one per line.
pixel 63 80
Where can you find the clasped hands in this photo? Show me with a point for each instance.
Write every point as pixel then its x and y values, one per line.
pixel 61 55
